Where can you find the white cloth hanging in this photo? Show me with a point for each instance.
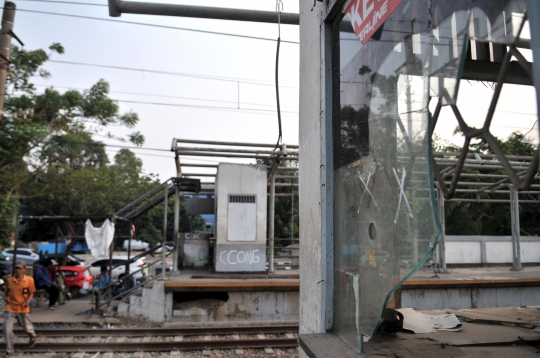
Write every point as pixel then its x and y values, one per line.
pixel 99 239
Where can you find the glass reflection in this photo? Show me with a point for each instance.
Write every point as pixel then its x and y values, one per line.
pixel 384 208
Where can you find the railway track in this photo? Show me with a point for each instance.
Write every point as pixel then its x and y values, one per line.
pixel 142 340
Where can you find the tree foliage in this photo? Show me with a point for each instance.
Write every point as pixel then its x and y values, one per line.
pixel 286 218
pixel 467 218
pixel 50 162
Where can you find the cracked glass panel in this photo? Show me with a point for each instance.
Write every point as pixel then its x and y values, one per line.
pixel 385 221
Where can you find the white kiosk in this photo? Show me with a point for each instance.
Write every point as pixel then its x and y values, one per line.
pixel 241 197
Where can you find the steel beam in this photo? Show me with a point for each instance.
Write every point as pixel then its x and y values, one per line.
pixel 516 245
pixel 176 256
pixel 442 242
pixel 164 248
pixel 533 15
pixel 118 7
pixel 271 213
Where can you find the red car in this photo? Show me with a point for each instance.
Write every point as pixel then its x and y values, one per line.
pixel 78 280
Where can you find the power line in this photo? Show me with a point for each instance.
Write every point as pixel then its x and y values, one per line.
pixel 212 108
pixel 153 155
pixel 128 147
pixel 95 143
pixel 153 25
pixel 172 157
pixel 250 110
pixel 159 95
pixel 66 2
pixel 226 79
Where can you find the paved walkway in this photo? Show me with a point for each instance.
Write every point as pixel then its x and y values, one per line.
pixel 70 312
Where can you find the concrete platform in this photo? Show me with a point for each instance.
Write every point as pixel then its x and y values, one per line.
pixel 275 298
pixel 189 281
pixel 472 288
pixel 268 298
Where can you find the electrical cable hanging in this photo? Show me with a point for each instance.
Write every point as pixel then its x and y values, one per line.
pixel 530 130
pixel 280 135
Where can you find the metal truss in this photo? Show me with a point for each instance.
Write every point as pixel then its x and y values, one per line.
pixel 220 151
pixel 489 181
pixel 520 173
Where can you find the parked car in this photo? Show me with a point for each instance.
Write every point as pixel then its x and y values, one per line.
pixel 27 255
pixel 95 266
pixel 78 280
pixel 156 268
pixel 71 261
pixel 136 245
pixel 168 245
pixel 5 268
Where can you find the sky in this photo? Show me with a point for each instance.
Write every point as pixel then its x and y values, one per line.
pixel 216 87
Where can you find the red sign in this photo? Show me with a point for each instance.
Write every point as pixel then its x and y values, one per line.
pixel 368 15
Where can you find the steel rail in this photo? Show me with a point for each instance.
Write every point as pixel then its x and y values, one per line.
pixel 225 155
pixel 163 346
pixel 481 155
pixel 234 150
pixel 450 161
pixel 166 331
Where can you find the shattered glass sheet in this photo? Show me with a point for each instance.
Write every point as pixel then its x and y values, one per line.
pixel 385 221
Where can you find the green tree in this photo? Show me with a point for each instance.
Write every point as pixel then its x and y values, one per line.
pixel 285 207
pixel 49 135
pixel 467 218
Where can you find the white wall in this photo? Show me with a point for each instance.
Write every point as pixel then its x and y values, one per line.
pixel 463 252
pixel 240 179
pixel 490 249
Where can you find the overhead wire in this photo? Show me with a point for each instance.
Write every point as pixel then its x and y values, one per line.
pixel 151 155
pixel 215 78
pixel 280 135
pixel 153 25
pixel 233 109
pixel 212 108
pixel 160 95
pixel 66 2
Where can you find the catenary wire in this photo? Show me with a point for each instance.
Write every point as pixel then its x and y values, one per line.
pixel 159 95
pixel 252 110
pixel 66 2
pixel 153 25
pixel 215 78
pixel 266 112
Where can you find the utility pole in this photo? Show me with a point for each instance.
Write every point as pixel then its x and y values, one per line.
pixel 5 48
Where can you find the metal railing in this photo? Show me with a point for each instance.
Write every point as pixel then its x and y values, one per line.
pixel 127 277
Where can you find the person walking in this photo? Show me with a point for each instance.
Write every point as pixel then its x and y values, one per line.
pixel 43 281
pixel 19 291
pixel 104 279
